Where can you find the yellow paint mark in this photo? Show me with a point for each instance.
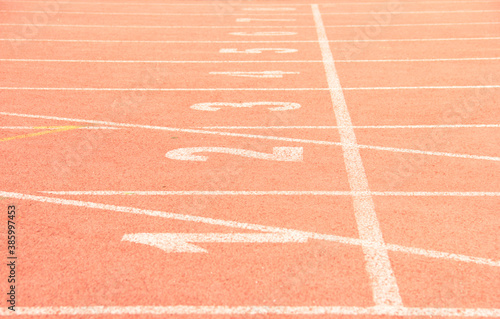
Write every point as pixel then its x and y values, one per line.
pixel 60 129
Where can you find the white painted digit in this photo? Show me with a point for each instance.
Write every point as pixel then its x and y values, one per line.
pixel 278 106
pixel 254 51
pixel 260 74
pixel 182 242
pixel 264 33
pixel 281 154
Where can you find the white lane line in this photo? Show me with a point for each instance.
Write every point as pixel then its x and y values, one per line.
pixel 406 12
pixel 257 227
pixel 242 41
pixel 417 2
pixel 254 310
pixel 238 14
pixel 327 127
pixel 161 89
pixel 244 20
pixel 255 61
pixel 377 264
pixel 169 61
pixel 409 24
pixel 443 154
pixel 455 87
pixel 55 128
pixel 273 193
pixel 246 27
pixel 142 4
pixel 256 74
pixel 420 60
pixel 265 137
pixel 254 89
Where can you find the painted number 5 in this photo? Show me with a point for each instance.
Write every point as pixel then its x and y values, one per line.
pixel 281 154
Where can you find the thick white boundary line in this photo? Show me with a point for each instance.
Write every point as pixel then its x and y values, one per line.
pixel 239 14
pixel 246 27
pixel 248 61
pixel 326 127
pixel 377 264
pixel 264 137
pixel 253 310
pixel 243 41
pixel 257 227
pixel 272 193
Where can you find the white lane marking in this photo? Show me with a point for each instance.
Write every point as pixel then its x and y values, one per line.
pixel 164 89
pixel 264 33
pixel 256 227
pixel 273 193
pixel 252 19
pixel 249 51
pixel 420 60
pixel 265 137
pixel 55 128
pixel 444 154
pixel 254 310
pixel 246 4
pixel 403 24
pixel 256 74
pixel 451 87
pixel 268 9
pixel 181 242
pixel 327 127
pixel 277 106
pixel 410 12
pixel 377 264
pixel 254 89
pixel 236 14
pixel 280 154
pixel 417 2
pixel 258 50
pixel 245 20
pixel 246 41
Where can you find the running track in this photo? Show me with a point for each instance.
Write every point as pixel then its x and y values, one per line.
pixel 252 159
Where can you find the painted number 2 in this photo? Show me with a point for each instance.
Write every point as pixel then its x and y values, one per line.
pixel 281 154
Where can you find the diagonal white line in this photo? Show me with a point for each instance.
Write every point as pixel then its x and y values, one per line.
pixel 257 227
pixel 265 137
pixel 384 286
